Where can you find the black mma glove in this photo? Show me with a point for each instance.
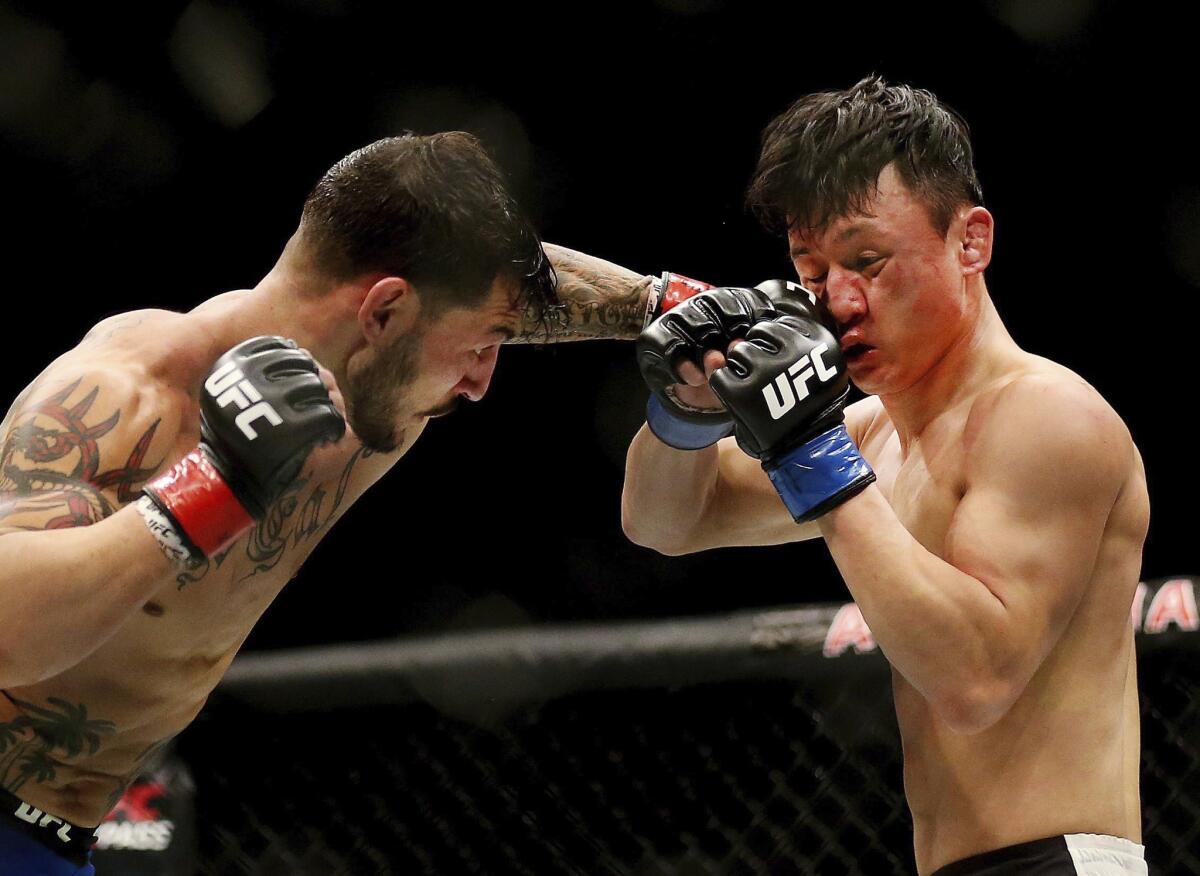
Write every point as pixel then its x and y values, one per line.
pixel 707 321
pixel 786 388
pixel 263 409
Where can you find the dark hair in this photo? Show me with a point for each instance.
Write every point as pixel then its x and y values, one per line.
pixel 432 209
pixel 822 157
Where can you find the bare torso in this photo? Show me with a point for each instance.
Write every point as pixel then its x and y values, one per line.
pixel 72 741
pixel 1065 757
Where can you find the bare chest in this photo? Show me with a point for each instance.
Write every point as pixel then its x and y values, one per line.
pixel 213 606
pixel 204 614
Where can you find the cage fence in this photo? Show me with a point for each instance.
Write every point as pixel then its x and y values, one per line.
pixel 752 743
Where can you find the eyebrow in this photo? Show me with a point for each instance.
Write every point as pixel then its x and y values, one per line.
pixel 794 252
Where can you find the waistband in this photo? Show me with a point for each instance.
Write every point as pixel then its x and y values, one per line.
pixel 69 840
pixel 1068 854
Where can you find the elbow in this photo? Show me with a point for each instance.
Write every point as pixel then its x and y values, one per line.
pixel 976 706
pixel 670 549
pixel 644 533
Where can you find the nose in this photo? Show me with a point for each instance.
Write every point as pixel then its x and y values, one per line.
pixel 478 376
pixel 843 296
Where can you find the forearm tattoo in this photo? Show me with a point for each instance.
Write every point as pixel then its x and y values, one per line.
pixel 287 524
pixel 283 527
pixel 597 299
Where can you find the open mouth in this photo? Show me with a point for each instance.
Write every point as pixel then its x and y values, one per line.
pixel 856 351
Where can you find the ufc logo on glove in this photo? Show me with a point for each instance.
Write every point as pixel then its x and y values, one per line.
pixel 228 384
pixel 782 394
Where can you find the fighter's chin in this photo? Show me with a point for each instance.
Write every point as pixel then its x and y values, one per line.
pixel 879 382
pixel 377 435
pixel 383 443
pixel 864 380
pixel 441 410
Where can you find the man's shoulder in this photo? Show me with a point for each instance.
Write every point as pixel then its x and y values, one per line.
pixel 163 349
pixel 81 442
pixel 1045 417
pixel 148 319
pixel 96 401
pixel 1043 391
pixel 129 378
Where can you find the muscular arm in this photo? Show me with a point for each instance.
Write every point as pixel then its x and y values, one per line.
pixel 74 560
pixel 970 630
pixel 64 592
pixel 598 300
pixel 685 501
pixel 681 501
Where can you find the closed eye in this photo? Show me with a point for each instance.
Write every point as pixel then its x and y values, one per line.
pixel 485 350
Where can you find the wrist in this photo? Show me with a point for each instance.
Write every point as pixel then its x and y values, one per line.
pixel 668 291
pixel 693 432
pixel 197 505
pixel 819 474
pixel 174 545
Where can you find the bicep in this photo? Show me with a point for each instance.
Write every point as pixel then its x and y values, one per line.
pixel 1031 521
pixel 1035 557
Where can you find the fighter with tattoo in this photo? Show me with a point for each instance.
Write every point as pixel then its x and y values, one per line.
pixel 162 481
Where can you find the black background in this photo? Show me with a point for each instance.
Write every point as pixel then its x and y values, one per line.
pixel 158 155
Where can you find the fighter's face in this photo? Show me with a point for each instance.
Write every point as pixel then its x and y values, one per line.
pixel 892 281
pixel 424 372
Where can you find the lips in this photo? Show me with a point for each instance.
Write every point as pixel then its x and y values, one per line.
pixel 855 352
pixel 852 344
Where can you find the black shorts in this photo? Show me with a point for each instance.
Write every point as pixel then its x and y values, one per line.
pixel 33 841
pixel 1076 854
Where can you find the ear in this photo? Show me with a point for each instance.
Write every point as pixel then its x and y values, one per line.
pixel 389 307
pixel 976 240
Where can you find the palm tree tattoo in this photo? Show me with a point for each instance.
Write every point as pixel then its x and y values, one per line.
pixel 33 744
